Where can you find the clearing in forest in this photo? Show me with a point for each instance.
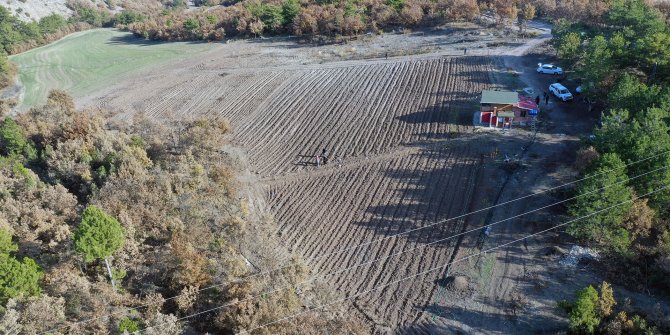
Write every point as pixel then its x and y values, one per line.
pixel 88 61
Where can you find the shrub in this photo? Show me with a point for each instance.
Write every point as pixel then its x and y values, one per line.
pixel 191 24
pixel 128 17
pixel 583 313
pixel 14 142
pixel 6 244
pixel 606 301
pixel 6 71
pixel 17 278
pixel 52 23
pixel 98 235
pixel 128 325
pixel 396 4
pixel 290 9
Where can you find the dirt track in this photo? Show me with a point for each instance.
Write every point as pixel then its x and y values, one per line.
pixel 401 156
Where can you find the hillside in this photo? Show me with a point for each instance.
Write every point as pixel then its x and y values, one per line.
pixel 34 10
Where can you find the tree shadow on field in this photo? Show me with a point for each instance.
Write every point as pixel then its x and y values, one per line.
pixel 456 103
pixel 425 196
pixel 433 197
pixel 131 39
pixel 454 108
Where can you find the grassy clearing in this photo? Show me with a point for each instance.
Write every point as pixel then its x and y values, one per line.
pixel 88 61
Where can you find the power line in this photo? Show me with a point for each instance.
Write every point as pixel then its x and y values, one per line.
pixel 490 224
pixel 438 267
pixel 365 243
pixel 427 271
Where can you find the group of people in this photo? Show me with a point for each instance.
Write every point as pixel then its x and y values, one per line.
pixel 546 99
pixel 322 158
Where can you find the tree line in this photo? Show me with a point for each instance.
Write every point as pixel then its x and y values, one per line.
pixel 623 60
pixel 218 19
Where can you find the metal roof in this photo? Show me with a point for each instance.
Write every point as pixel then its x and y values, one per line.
pixel 500 97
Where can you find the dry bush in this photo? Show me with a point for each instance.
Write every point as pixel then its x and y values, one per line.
pixel 154 302
pixel 305 23
pixel 165 183
pixel 33 315
pixel 640 219
pixel 40 215
pixel 455 10
pixel 584 10
pixel 186 298
pixel 584 158
pixel 192 268
pixel 162 324
pixel 411 14
pixel 9 321
pixel 79 152
pixel 6 106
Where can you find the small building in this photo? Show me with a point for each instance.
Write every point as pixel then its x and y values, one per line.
pixel 504 109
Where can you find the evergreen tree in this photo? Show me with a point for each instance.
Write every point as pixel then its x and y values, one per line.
pixel 605 227
pixel 634 96
pixel 6 244
pixel 98 235
pixel 569 46
pixel 648 135
pixel 17 278
pixel 597 61
pixel 583 313
pixel 14 142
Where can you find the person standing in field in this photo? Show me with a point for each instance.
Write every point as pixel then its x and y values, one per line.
pixel 318 160
pixel 324 156
pixel 465 51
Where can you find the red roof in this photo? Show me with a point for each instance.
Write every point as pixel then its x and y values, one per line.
pixel 526 103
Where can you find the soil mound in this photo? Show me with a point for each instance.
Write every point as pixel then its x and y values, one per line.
pixel 458 284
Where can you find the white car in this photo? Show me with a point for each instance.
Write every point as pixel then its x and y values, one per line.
pixel 560 92
pixel 549 69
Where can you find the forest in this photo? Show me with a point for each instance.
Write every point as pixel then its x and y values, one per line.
pixel 215 20
pixel 250 18
pixel 160 205
pixel 623 61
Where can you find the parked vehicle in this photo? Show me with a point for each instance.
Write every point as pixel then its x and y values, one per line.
pixel 560 92
pixel 549 69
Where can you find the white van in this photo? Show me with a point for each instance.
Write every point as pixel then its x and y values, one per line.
pixel 560 91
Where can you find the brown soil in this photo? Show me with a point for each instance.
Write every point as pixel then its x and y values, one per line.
pixel 402 156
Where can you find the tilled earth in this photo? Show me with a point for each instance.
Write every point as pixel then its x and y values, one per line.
pixel 401 151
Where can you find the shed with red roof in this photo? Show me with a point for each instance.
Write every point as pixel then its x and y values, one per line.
pixel 503 109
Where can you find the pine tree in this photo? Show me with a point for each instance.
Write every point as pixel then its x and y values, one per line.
pixel 583 314
pixel 605 227
pixel 98 235
pixel 17 278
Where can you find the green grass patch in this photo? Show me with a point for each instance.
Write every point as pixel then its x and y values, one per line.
pixel 485 270
pixel 85 62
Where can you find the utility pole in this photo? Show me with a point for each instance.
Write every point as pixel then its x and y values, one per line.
pixel 109 271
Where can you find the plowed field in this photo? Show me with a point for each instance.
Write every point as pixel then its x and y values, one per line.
pixel 391 129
